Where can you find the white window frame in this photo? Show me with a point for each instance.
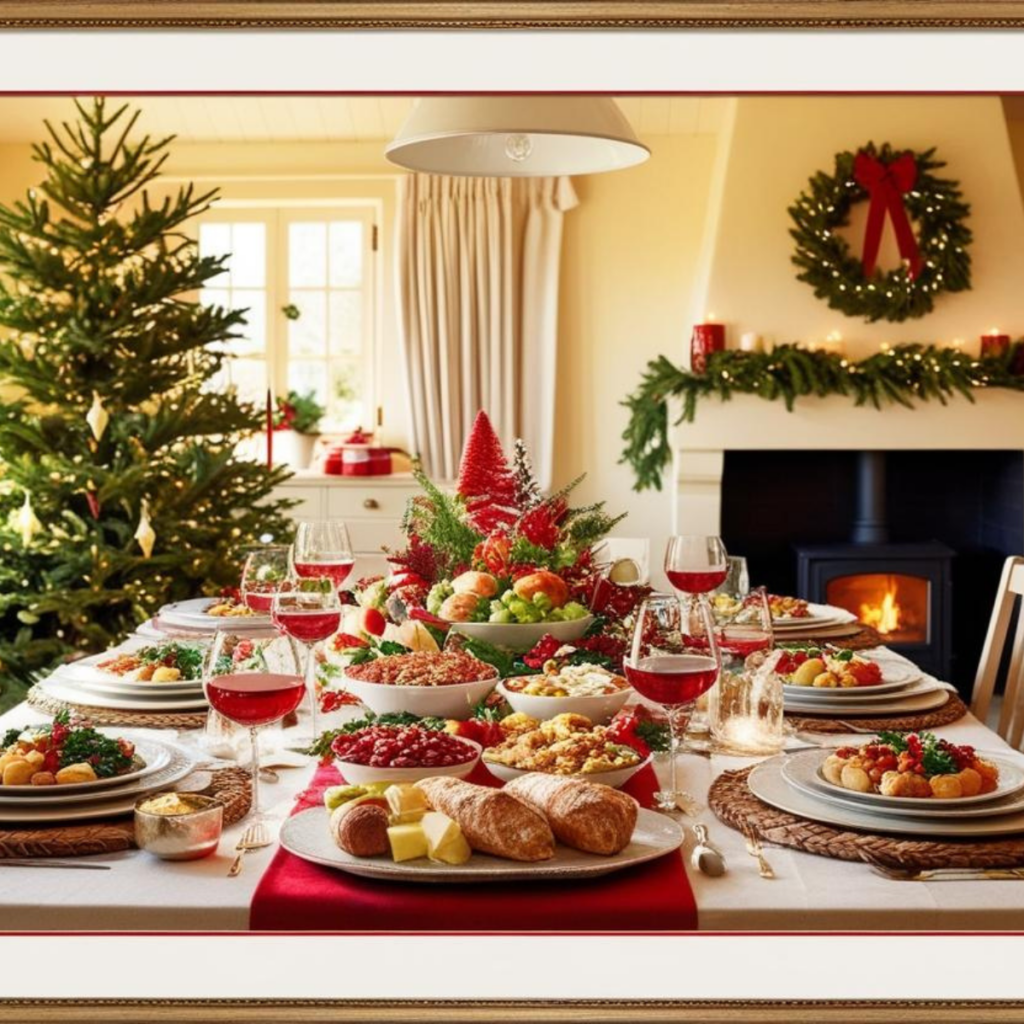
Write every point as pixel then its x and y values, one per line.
pixel 276 216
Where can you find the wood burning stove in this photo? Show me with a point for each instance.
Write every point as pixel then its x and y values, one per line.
pixel 904 590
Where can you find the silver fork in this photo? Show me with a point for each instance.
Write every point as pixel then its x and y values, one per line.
pixel 764 869
pixel 941 874
pixel 255 837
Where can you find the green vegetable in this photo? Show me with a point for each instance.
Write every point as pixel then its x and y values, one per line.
pixel 187 658
pixel 439 592
pixel 574 610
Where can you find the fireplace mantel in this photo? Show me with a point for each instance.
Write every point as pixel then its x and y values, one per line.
pixel 995 421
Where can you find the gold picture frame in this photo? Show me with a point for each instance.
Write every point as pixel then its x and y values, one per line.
pixel 518 14
pixel 266 1011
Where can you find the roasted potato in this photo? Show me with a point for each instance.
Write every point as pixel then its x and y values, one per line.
pixel 946 787
pixel 808 671
pixel 81 772
pixel 166 674
pixel 970 782
pixel 832 769
pixel 19 773
pixel 856 779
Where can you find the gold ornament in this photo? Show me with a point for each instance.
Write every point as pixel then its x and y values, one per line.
pixel 145 534
pixel 28 522
pixel 97 417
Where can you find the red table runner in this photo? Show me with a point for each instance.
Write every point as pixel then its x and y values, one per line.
pixel 294 895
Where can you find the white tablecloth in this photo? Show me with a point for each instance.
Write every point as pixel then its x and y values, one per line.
pixel 809 892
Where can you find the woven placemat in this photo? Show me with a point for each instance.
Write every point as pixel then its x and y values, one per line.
pixel 42 701
pixel 867 637
pixel 733 803
pixel 231 786
pixel 952 711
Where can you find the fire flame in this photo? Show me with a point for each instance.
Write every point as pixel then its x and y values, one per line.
pixel 886 617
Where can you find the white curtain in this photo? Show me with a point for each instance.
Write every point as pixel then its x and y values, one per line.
pixel 478 262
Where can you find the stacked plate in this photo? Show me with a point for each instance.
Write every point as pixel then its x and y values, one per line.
pixel 160 764
pixel 191 617
pixel 795 783
pixel 903 690
pixel 824 621
pixel 84 682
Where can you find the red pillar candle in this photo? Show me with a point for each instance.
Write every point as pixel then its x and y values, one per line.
pixel 270 430
pixel 994 345
pixel 707 338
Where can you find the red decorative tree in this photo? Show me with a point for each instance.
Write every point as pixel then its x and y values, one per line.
pixel 486 482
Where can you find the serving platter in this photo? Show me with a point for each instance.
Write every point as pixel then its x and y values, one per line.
pixel 804 774
pixel 769 785
pixel 522 636
pixel 307 836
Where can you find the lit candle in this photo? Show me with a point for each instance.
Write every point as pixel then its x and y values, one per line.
pixel 994 344
pixel 749 735
pixel 751 342
pixel 707 337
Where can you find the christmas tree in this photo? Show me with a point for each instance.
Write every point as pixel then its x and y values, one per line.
pixel 486 482
pixel 120 487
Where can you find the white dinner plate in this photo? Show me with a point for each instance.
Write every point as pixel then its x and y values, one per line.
pixel 191 614
pixel 768 784
pixel 896 675
pixel 857 695
pixel 927 700
pixel 803 773
pixel 175 764
pixel 87 670
pixel 127 688
pixel 820 615
pixel 307 836
pixel 72 694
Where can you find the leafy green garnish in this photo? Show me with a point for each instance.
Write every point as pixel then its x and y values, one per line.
pixel 185 657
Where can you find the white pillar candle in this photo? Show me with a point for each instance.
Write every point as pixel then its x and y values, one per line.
pixel 751 342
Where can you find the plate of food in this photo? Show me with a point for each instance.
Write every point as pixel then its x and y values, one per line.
pixel 906 769
pixel 767 782
pixel 443 684
pixel 588 690
pixel 567 745
pixel 823 671
pixel 71 691
pixel 445 830
pixel 209 613
pixel 786 612
pixel 70 757
pixel 171 666
pixel 925 697
pixel 402 753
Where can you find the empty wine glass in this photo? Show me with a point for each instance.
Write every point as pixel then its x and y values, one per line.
pixel 696 563
pixel 323 548
pixel 253 678
pixel 264 571
pixel 673 660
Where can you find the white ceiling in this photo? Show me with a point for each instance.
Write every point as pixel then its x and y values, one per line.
pixel 316 118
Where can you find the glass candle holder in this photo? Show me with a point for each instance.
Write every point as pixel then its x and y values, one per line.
pixel 745 709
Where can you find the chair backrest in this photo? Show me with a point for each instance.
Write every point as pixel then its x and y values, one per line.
pixel 1011 717
pixel 638 548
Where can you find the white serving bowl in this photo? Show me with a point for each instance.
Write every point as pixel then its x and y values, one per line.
pixel 599 709
pixel 616 778
pixel 361 774
pixel 454 700
pixel 522 636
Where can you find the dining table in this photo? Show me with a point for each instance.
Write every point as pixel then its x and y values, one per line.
pixel 808 892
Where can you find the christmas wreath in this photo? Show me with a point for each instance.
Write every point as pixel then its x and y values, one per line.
pixel 900 185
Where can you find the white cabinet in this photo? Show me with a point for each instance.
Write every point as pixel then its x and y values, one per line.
pixel 372 508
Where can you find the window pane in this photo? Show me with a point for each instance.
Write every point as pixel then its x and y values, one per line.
pixel 249 376
pixel 307 254
pixel 255 329
pixel 346 407
pixel 215 297
pixel 307 336
pixel 308 376
pixel 346 253
pixel 249 256
pixel 215 240
pixel 346 321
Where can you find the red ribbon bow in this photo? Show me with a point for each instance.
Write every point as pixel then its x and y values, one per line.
pixel 886 184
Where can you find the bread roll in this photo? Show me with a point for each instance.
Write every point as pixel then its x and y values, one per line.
pixel 492 820
pixel 363 831
pixel 585 815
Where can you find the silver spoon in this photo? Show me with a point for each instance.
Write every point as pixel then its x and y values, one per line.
pixel 705 858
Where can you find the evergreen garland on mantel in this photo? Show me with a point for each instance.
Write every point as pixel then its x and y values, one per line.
pixel 898 374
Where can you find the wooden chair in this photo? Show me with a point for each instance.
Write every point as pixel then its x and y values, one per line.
pixel 1011 717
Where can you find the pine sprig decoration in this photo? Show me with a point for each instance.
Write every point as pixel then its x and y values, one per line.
pixel 438 520
pixel 528 492
pixel 829 266
pixel 899 374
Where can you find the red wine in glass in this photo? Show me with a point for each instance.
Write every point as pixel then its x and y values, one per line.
pixel 259 601
pixel 741 646
pixel 310 627
pixel 255 698
pixel 672 679
pixel 337 571
pixel 697 581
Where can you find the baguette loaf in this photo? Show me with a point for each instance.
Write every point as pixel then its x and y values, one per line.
pixel 585 815
pixel 492 821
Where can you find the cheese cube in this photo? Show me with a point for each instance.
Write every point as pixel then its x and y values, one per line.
pixel 445 841
pixel 407 842
pixel 406 802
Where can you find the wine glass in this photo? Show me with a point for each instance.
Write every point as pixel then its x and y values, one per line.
pixel 264 571
pixel 750 629
pixel 253 678
pixel 322 548
pixel 308 610
pixel 673 659
pixel 695 563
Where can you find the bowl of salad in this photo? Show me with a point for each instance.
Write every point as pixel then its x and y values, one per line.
pixel 515 615
pixel 588 690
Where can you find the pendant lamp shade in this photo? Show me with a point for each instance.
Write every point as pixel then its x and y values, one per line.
pixel 516 136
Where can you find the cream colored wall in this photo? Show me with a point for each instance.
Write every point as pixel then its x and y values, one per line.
pixel 777 144
pixel 629 261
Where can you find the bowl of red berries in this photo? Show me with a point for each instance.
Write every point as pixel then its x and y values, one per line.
pixel 403 753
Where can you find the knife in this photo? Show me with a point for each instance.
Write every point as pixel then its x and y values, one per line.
pixel 21 863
